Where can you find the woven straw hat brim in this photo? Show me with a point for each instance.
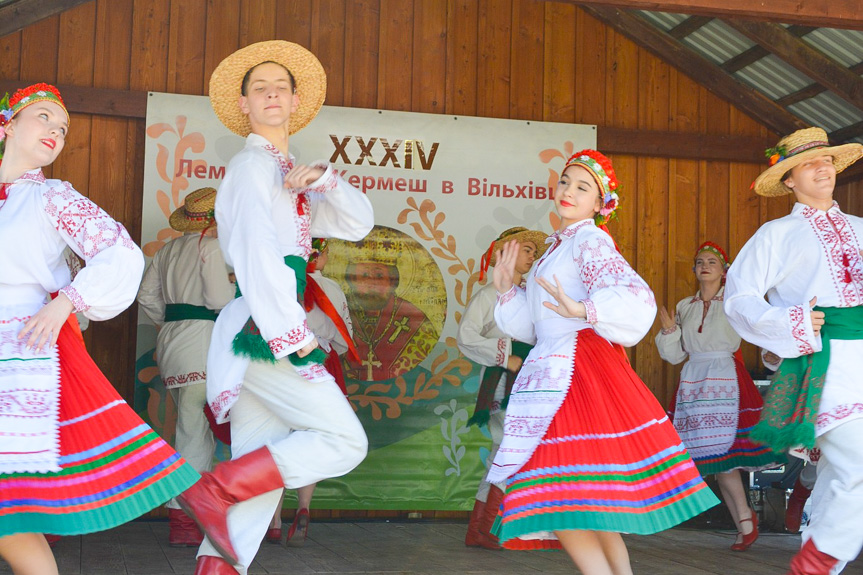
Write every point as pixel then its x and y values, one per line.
pixel 226 83
pixel 178 221
pixel 538 239
pixel 769 183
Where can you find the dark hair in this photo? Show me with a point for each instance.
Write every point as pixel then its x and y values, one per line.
pixel 244 87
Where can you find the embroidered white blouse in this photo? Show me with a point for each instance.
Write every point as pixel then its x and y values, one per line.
pixel 620 307
pixel 809 253
pixel 189 270
pixel 38 220
pixel 260 222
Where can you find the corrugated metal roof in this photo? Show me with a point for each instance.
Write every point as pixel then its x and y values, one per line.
pixel 844 46
pixel 773 77
pixel 663 20
pixel 719 43
pixel 828 111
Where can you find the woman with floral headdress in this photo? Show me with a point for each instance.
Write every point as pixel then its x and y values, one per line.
pixel 75 457
pixel 716 404
pixel 588 453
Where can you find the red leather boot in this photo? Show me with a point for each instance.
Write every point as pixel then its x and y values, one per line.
pixel 209 565
pixel 183 532
pixel 492 507
pixel 796 501
pixel 208 500
pixel 810 561
pixel 475 537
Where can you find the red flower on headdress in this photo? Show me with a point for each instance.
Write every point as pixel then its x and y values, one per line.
pixel 30 90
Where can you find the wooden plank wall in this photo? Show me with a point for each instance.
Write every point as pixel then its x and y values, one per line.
pixel 519 59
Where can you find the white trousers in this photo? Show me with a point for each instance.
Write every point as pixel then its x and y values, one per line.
pixel 311 432
pixel 837 499
pixel 194 439
pixel 495 428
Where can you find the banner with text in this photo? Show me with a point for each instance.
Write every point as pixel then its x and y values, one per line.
pixel 443 188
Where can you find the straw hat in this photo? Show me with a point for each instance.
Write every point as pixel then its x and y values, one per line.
pixel 226 83
pixel 519 234
pixel 796 148
pixel 196 213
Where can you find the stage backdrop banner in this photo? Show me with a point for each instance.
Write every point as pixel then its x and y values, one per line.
pixel 443 188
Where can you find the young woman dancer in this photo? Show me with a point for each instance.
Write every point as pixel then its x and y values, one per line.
pixel 716 403
pixel 75 457
pixel 588 453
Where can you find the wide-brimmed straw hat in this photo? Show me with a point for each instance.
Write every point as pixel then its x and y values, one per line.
pixel 226 83
pixel 197 213
pixel 796 148
pixel 518 234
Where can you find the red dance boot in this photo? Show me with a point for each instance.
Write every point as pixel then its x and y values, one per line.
pixel 209 565
pixel 474 537
pixel 183 532
pixel 299 529
pixel 208 500
pixel 810 561
pixel 796 501
pixel 489 514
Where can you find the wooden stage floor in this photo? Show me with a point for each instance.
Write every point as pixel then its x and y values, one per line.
pixel 418 548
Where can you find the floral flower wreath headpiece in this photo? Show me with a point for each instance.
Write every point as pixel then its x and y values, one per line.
pixel 715 250
pixel 9 107
pixel 600 168
pixel 318 247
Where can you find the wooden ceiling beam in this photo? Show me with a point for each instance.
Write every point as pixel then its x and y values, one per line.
pixel 811 90
pixel 99 101
pixel 757 52
pixel 688 26
pixel 797 53
pixel 818 13
pixel 19 14
pixel 842 135
pixel 698 68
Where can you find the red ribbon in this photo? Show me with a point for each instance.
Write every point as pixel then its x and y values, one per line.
pixel 485 261
pixel 315 296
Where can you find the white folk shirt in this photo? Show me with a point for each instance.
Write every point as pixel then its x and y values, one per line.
pixel 185 271
pixel 38 220
pixel 791 260
pixel 479 338
pixel 620 308
pixel 261 222
pixel 321 324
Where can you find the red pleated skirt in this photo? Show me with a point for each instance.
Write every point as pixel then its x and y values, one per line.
pixel 114 466
pixel 610 461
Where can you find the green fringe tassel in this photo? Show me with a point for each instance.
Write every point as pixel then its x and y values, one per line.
pixel 317 356
pixel 479 418
pixel 252 345
pixel 782 439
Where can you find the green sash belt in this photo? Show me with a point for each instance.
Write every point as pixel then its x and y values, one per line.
pixel 488 385
pixel 181 311
pixel 250 343
pixel 791 408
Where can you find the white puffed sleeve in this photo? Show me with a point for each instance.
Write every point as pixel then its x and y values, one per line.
pixel 109 281
pixel 620 306
pixel 476 331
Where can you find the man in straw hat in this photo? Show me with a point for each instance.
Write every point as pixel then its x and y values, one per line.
pixel 290 424
pixel 482 341
pixel 809 257
pixel 184 287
